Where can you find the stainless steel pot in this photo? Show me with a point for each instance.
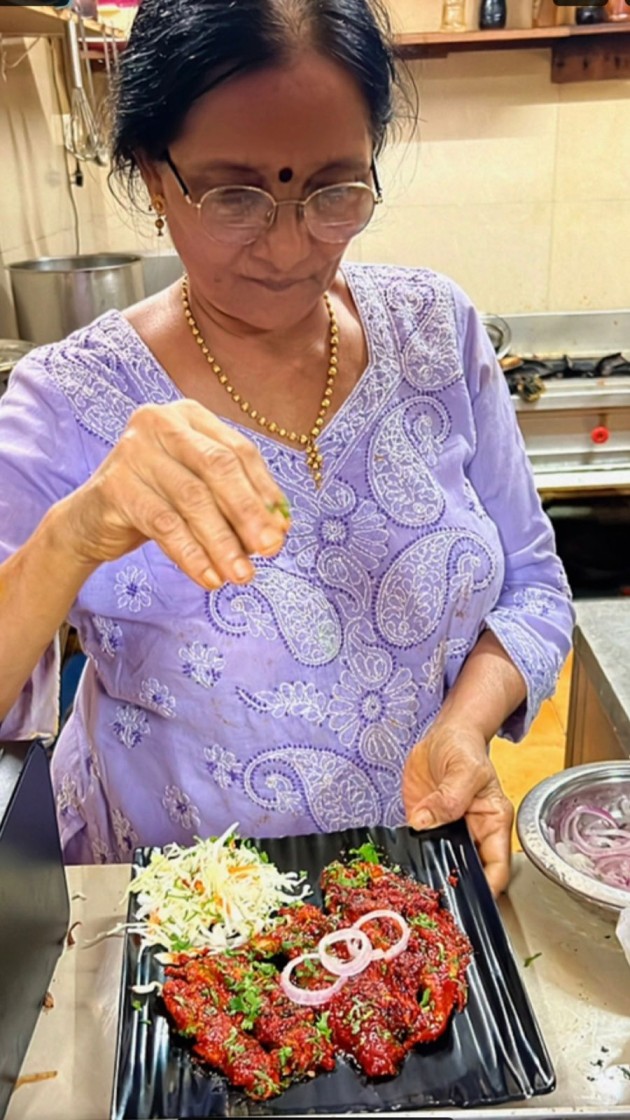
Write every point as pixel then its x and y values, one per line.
pixel 56 295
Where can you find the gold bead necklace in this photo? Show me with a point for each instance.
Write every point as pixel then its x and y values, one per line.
pixel 308 441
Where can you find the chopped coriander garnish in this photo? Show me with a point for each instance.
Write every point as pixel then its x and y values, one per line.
pixel 366 852
pixel 530 960
pixel 321 1025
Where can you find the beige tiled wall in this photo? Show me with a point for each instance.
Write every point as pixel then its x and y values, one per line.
pixel 516 187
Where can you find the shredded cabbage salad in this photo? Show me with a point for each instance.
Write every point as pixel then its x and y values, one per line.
pixel 214 895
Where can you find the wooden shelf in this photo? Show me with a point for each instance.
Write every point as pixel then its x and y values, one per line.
pixel 418 45
pixel 25 21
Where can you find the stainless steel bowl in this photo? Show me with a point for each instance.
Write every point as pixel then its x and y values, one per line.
pixel 540 806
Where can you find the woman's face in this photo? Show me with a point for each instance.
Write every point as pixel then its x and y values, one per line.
pixel 309 119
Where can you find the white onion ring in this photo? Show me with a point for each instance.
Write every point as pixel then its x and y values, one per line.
pixel 398 946
pixel 305 996
pixel 352 937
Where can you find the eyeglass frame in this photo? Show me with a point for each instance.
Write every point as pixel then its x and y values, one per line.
pixel 376 191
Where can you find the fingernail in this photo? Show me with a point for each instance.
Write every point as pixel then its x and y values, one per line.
pixel 270 539
pixel 212 578
pixel 423 819
pixel 242 569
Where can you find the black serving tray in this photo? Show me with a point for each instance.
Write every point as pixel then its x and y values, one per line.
pixel 491 1053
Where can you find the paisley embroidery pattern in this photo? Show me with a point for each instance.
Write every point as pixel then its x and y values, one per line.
pixel 326 669
pixel 281 605
pixel 399 474
pixel 415 591
pixel 337 793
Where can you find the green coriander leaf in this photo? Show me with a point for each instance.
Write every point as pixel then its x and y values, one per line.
pixel 530 960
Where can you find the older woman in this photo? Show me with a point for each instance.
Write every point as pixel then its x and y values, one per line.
pixel 342 664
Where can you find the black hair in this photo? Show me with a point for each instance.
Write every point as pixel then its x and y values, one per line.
pixel 179 49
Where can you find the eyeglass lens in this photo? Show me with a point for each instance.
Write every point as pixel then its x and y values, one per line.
pixel 238 215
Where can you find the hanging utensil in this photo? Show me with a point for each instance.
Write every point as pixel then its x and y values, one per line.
pixel 100 156
pixel 82 140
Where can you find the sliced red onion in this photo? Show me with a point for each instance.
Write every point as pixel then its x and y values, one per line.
pixel 595 838
pixel 398 946
pixel 357 943
pixel 308 997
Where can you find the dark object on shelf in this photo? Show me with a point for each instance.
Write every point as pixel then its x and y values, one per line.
pixel 492 14
pixel 590 13
pixel 491 1053
pixel 34 905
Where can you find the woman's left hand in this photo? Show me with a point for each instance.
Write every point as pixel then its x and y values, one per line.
pixel 448 775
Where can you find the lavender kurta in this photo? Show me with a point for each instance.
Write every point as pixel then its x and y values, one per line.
pixel 289 705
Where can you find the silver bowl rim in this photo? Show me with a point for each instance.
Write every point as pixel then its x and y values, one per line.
pixel 533 810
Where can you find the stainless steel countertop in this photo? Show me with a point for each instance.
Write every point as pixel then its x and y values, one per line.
pixel 602 642
pixel 579 988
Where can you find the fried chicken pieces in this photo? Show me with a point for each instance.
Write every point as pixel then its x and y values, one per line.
pixel 243 1025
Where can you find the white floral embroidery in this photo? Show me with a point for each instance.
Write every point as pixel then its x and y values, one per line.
pixel 291 698
pixel 222 764
pixel 538 661
pixel 133 589
pixel 431 675
pixel 379 717
pixel 180 808
pixel 130 726
pixel 157 697
pixel 68 799
pixel 101 850
pixel 382 562
pixel 202 663
pixel 533 600
pixel 101 391
pixel 109 633
pixel 93 764
pixel 338 520
pixel 126 837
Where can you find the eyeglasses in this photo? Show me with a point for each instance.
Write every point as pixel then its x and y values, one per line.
pixel 240 215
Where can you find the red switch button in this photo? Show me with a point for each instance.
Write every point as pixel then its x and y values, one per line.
pixel 600 434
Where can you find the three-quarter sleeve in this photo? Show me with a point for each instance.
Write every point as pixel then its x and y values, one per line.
pixel 533 618
pixel 39 448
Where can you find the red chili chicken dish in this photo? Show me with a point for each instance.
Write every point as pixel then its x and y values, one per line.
pixel 379 970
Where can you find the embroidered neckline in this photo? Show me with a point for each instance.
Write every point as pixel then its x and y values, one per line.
pixel 360 288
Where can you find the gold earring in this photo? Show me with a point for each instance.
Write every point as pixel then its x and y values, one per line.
pixel 157 204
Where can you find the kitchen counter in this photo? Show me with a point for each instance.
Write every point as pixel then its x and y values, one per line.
pixel 599 707
pixel 579 988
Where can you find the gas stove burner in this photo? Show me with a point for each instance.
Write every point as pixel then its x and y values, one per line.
pixel 526 377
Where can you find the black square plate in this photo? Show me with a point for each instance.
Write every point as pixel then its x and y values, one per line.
pixel 491 1053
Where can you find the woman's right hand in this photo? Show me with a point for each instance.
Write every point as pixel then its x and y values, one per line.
pixel 184 479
